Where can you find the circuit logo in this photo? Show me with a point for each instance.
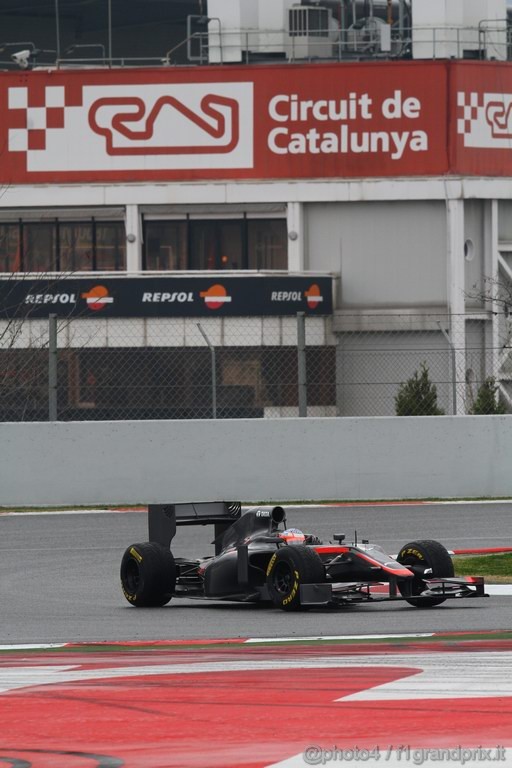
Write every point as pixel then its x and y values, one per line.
pixel 132 120
pixel 97 298
pixel 215 296
pixel 313 296
pixel 132 126
pixel 485 119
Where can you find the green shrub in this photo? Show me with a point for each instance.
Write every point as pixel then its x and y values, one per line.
pixel 417 396
pixel 487 400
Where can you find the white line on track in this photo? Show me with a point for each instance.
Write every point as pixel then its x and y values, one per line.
pixel 498 589
pixel 336 637
pixel 408 503
pixel 399 503
pixel 399 757
pixel 32 646
pixel 471 501
pixel 70 512
pixel 251 640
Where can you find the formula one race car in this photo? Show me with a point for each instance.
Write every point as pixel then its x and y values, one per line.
pixel 257 558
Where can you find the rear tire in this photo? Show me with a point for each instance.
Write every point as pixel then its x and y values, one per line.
pixel 148 575
pixel 288 568
pixel 430 554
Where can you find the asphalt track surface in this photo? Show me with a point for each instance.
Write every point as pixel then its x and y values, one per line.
pixel 59 577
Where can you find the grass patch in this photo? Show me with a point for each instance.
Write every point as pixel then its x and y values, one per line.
pixel 495 567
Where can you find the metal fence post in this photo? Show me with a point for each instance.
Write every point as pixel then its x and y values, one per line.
pixel 52 368
pixel 214 370
pixel 453 357
pixel 301 364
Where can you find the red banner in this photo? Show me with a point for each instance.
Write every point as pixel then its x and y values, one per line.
pixel 481 128
pixel 378 119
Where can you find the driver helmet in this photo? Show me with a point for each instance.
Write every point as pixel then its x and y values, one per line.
pixel 293 536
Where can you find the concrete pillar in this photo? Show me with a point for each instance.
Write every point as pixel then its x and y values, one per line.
pixel 490 265
pixel 133 239
pixel 456 298
pixel 296 245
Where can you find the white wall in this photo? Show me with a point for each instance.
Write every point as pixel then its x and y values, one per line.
pixel 474 257
pixel 251 460
pixel 228 17
pixel 115 332
pixel 388 255
pixel 444 28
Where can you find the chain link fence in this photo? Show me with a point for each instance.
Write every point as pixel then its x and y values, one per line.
pixel 409 364
pixel 349 365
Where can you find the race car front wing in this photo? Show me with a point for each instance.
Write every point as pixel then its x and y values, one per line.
pixel 373 592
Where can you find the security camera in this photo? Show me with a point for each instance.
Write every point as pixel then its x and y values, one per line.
pixel 22 58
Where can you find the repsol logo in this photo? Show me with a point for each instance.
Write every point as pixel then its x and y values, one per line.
pixel 286 296
pixel 182 297
pixel 50 298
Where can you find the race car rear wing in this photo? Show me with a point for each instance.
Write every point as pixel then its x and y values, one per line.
pixel 163 518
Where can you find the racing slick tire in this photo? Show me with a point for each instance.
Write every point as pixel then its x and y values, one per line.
pixel 288 568
pixel 432 555
pixel 148 575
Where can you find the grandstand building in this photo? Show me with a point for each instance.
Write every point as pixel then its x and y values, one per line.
pixel 232 163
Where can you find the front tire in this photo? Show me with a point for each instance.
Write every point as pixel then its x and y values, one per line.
pixel 430 554
pixel 148 575
pixel 288 568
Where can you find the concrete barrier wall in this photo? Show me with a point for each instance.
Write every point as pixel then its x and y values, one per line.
pixel 251 460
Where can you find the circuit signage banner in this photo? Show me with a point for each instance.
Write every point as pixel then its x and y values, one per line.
pixel 166 296
pixel 322 120
pixel 286 121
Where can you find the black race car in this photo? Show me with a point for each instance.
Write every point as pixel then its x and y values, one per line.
pixel 257 558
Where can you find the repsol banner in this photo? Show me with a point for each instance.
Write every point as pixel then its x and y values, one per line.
pixel 166 296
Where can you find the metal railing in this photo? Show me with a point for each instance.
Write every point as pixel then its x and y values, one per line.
pixel 368 38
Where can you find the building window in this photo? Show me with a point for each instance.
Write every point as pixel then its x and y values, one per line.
pixel 267 244
pixel 110 246
pixel 10 248
pixel 39 246
pixel 217 244
pixel 62 246
pixel 75 246
pixel 166 245
pixel 240 243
